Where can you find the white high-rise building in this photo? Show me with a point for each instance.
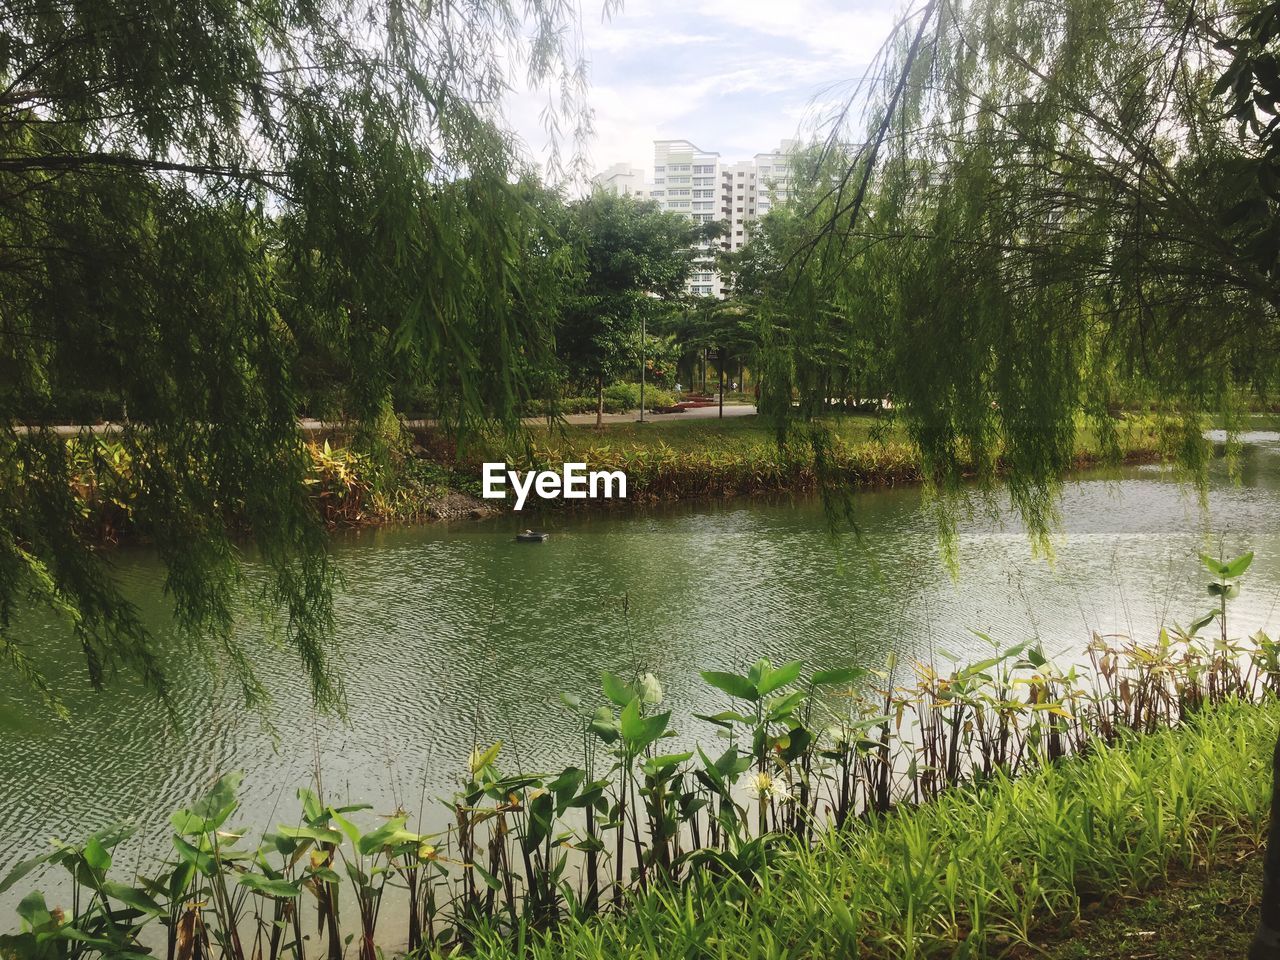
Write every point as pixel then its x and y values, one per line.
pixel 622 179
pixel 693 181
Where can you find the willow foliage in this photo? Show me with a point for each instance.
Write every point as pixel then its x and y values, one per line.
pixel 213 211
pixel 1052 212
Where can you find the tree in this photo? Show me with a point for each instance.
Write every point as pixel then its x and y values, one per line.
pixel 635 260
pixel 810 338
pixel 1060 206
pixel 196 198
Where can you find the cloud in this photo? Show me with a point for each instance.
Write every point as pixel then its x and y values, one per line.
pixel 733 76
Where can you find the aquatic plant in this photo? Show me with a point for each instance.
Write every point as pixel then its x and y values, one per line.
pixel 807 762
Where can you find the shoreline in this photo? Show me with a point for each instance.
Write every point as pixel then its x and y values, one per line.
pixel 701 460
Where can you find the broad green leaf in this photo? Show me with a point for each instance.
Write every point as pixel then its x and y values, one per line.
pixel 604 725
pixel 96 855
pixel 220 801
pixel 725 718
pixel 318 834
pixel 132 897
pixel 617 690
pixel 780 677
pixel 732 684
pixel 389 833
pixel 1216 567
pixel 197 858
pixel 1239 565
pixel 842 677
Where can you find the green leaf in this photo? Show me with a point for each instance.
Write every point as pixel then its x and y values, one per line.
pixel 1216 567
pixel 843 677
pixel 780 677
pixel 571 701
pixel 616 689
pixel 982 666
pixel 197 858
pixel 486 759
pixel 604 725
pixel 639 731
pixel 20 870
pixel 33 909
pixel 725 718
pixel 132 897
pixel 318 834
pixel 490 880
pixel 1239 565
pixel 220 801
pixel 657 765
pixel 1201 622
pixel 797 742
pixel 781 707
pixel 390 833
pixel 732 684
pixel 96 855
pixel 269 887
pixel 346 826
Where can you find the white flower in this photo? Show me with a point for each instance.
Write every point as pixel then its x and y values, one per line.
pixel 767 786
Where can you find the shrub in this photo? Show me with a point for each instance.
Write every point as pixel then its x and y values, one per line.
pixel 627 395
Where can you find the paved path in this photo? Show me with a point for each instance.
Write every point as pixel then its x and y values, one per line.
pixel 693 413
pixel 320 426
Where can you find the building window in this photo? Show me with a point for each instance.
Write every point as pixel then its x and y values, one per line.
pixel 658 193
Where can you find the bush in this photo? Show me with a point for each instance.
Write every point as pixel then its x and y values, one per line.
pixel 627 395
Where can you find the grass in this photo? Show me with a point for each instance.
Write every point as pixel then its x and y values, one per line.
pixel 702 435
pixel 713 437
pixel 1205 912
pixel 673 459
pixel 1013 868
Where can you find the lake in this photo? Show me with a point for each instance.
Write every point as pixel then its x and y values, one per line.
pixel 454 635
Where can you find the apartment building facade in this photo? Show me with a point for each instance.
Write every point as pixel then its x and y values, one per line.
pixel 696 182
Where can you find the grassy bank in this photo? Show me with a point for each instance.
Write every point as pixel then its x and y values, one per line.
pixel 427 477
pixel 1006 868
pixel 673 459
pixel 914 811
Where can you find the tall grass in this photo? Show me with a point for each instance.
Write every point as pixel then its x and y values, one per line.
pixel 899 811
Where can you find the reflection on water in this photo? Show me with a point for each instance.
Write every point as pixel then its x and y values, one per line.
pixel 456 634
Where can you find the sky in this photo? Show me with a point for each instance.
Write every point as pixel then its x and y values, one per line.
pixel 733 76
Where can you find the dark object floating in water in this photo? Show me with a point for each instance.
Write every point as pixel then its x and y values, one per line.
pixel 532 536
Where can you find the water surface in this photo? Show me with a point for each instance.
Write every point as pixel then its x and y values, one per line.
pixel 454 634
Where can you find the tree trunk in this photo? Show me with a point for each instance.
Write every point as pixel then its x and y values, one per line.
pixel 599 402
pixel 1266 942
pixel 720 368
